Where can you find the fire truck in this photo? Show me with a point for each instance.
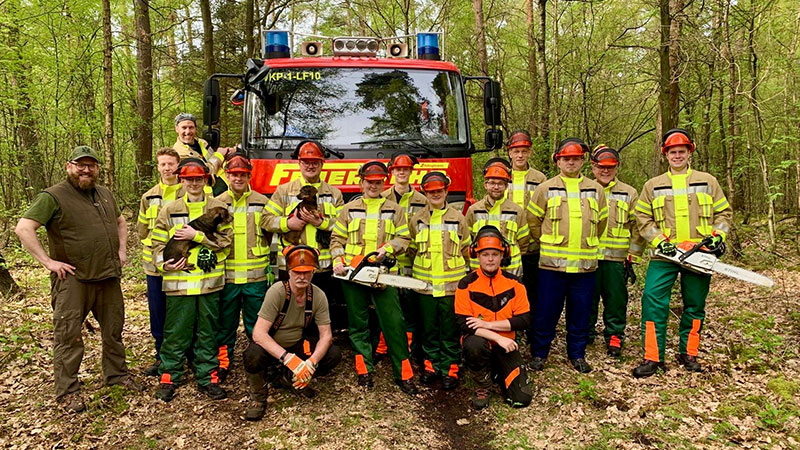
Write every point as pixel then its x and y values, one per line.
pixel 365 99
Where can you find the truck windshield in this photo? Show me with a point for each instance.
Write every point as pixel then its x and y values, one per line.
pixel 356 108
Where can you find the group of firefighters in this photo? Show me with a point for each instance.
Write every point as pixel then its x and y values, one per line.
pixel 531 247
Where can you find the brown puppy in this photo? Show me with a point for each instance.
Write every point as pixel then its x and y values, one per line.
pixel 208 223
pixel 308 203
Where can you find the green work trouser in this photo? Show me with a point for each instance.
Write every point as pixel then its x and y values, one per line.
pixel 245 297
pixel 390 318
pixel 439 334
pixel 187 315
pixel 661 275
pixel 610 286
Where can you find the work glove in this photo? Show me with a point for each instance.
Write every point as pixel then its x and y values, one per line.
pixel 667 248
pixel 298 367
pixel 630 274
pixel 206 259
pixel 309 366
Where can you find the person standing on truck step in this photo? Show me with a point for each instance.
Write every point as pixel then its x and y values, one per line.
pixel 620 248
pixel 501 212
pixel 188 145
pixel 680 205
pixel 404 194
pixel 282 216
pixel 87 237
pixel 439 246
pixel 192 293
pixel 283 335
pixel 491 306
pixel 167 190
pixel 569 212
pixel 373 224
pixel 245 266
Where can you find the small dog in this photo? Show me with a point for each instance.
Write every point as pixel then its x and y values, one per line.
pixel 208 223
pixel 308 203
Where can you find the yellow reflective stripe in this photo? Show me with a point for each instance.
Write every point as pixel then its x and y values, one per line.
pixel 160 235
pixel 536 210
pixel 721 205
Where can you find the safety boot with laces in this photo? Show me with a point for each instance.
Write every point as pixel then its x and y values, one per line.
pixel 648 368
pixel 213 391
pixel 689 362
pixel 152 370
pixel 165 392
pixel 480 399
pixel 255 410
pixel 72 403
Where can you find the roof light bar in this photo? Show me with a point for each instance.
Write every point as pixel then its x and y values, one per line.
pixel 276 45
pixel 355 46
pixel 428 46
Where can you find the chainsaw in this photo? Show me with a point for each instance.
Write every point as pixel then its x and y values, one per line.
pixel 696 258
pixel 370 272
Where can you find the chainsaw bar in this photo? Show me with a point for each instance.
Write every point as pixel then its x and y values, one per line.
pixel 707 263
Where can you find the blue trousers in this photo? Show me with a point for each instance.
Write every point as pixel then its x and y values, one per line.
pixel 157 303
pixel 554 290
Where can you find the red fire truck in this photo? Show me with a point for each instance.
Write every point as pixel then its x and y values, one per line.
pixel 359 106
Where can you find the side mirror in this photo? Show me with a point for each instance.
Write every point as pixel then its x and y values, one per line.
pixel 211 102
pixel 493 139
pixel 211 136
pixel 492 103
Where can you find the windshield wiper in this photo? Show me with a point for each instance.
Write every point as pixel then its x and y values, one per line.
pixel 416 143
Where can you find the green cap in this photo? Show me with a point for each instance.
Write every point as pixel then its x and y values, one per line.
pixel 83 151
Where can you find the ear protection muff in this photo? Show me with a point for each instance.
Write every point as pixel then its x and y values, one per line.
pixel 491 231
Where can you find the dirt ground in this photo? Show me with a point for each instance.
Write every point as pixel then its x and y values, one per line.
pixel 747 395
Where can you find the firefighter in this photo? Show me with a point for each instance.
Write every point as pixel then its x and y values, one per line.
pixel 245 266
pixel 313 230
pixel 373 224
pixel 680 205
pixel 87 245
pixel 491 305
pixel 283 336
pixel 402 193
pixel 188 145
pixel 569 212
pixel 497 210
pixel 440 245
pixel 163 193
pixel 620 248
pixel 192 293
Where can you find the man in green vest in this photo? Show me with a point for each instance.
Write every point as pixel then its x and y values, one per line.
pixel 189 145
pixel 87 237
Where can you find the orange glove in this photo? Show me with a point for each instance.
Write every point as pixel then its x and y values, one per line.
pixel 295 364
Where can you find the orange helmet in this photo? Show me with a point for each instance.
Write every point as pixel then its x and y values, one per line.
pixel 192 168
pixel 373 171
pixel 238 162
pixel 570 147
pixel 310 150
pixel 676 137
pixel 433 181
pixel 605 156
pixel 301 258
pixel 403 159
pixel 519 138
pixel 490 238
pixel 497 168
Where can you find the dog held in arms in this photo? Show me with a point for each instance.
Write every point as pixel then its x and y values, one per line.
pixel 209 224
pixel 308 203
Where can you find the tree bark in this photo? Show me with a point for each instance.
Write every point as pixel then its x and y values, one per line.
pixel 108 99
pixel 544 117
pixel 733 196
pixel 667 89
pixel 250 41
pixel 144 96
pixel 208 38
pixel 554 106
pixel 189 32
pixel 483 58
pixel 532 67
pixel 8 286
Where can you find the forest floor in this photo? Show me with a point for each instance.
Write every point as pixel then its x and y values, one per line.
pixel 747 396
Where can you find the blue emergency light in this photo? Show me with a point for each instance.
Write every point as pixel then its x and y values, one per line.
pixel 276 45
pixel 428 46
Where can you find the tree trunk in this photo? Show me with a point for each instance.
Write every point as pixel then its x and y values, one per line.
pixel 668 114
pixel 676 14
pixel 483 58
pixel 555 120
pixel 544 117
pixel 208 38
pixel 733 196
pixel 250 41
pixel 8 286
pixel 108 98
pixel 144 97
pixel 532 67
pixel 189 32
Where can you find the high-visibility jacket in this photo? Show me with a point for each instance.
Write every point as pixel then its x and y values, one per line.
pixel 510 219
pixel 411 202
pixel 684 207
pixel 520 191
pixel 283 202
pixel 500 297
pixel 366 224
pixel 194 282
pixel 440 242
pixel 214 160
pixel 249 252
pixel 621 237
pixel 152 201
pixel 568 216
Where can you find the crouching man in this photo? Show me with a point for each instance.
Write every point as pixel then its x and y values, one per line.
pixel 283 338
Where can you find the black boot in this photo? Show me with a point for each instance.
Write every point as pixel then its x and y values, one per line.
pixel 366 381
pixel 165 392
pixel 152 370
pixel 428 377
pixel 407 386
pixel 648 368
pixel 480 399
pixel 614 352
pixel 449 383
pixel 580 365
pixel 690 363
pixel 255 410
pixel 213 391
pixel 222 374
pixel 537 364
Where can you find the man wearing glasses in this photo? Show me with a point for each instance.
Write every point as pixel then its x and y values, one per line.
pixel 87 237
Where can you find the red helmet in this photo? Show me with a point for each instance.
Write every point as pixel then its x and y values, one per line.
pixel 238 163
pixel 373 171
pixel 570 147
pixel 497 168
pixel 309 150
pixel 519 138
pixel 677 137
pixel 605 156
pixel 192 168
pixel 403 159
pixel 433 181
